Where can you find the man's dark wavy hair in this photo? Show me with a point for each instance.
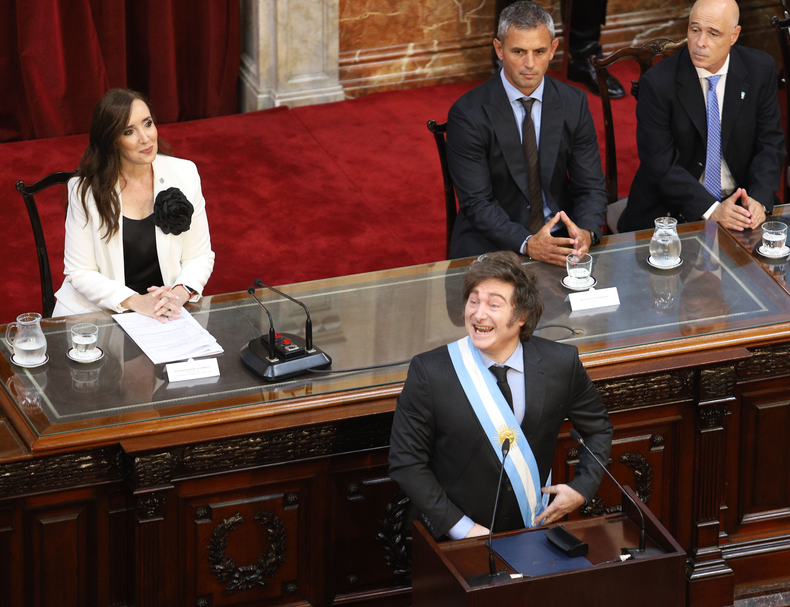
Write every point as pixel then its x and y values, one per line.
pixel 506 266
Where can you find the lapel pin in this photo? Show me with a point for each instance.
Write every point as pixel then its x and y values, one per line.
pixel 743 94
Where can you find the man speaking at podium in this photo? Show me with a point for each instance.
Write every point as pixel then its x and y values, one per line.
pixel 461 401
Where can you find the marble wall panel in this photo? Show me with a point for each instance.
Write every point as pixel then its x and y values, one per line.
pixel 387 44
pixel 382 23
pixel 391 44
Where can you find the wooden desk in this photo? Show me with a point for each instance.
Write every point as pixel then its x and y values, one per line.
pixel 155 488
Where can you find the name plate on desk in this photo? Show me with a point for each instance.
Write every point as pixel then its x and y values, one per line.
pixel 192 369
pixel 594 301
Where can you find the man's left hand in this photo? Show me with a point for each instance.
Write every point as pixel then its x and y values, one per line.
pixel 756 209
pixel 567 500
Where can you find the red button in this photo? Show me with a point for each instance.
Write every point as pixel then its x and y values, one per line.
pixel 286 341
pixel 277 336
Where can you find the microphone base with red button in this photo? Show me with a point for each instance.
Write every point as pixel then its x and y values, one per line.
pixel 291 357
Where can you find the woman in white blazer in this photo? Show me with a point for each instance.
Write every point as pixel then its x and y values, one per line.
pixel 137 235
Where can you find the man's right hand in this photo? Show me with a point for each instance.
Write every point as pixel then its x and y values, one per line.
pixel 730 214
pixel 478 530
pixel 545 247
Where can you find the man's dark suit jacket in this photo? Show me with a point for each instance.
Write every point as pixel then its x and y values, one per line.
pixel 671 137
pixel 442 459
pixel 490 173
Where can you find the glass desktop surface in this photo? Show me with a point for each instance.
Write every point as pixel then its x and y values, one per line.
pixel 752 239
pixel 383 319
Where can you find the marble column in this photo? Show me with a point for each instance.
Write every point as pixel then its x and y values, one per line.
pixel 289 53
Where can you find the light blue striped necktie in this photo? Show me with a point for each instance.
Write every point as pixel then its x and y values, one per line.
pixel 713 160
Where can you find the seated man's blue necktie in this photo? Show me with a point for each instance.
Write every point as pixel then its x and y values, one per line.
pixel 713 160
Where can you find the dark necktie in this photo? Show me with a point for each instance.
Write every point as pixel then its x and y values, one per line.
pixel 501 380
pixel 530 144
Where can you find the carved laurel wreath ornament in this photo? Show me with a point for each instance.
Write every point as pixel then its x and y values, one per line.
pixel 225 569
pixel 393 539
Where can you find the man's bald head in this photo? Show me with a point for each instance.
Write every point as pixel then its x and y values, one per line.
pixel 726 8
pixel 713 29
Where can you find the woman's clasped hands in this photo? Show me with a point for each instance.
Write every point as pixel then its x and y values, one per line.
pixel 161 303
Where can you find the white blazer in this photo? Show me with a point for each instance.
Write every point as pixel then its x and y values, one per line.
pixel 94 270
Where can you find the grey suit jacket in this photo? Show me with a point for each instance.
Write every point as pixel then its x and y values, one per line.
pixel 671 137
pixel 490 173
pixel 442 459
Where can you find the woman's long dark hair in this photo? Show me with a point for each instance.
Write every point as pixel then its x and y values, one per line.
pixel 100 166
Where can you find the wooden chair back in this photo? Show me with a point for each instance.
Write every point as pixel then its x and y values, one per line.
pixel 28 193
pixel 451 209
pixel 645 54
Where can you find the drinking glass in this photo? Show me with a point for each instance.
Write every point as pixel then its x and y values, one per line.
pixel 83 340
pixel 774 237
pixel 579 269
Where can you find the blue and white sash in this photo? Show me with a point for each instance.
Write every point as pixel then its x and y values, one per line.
pixel 499 423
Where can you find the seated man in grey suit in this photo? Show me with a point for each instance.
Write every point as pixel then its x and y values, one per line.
pixel 461 401
pixel 523 154
pixel 708 133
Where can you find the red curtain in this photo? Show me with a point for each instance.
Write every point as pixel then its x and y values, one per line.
pixel 58 57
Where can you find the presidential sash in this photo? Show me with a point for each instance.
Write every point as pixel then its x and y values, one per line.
pixel 499 423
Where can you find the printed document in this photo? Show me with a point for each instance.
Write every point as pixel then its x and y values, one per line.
pixel 170 341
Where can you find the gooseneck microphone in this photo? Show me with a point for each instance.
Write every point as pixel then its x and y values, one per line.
pixel 308 326
pixel 281 356
pixel 272 356
pixel 493 576
pixel 640 552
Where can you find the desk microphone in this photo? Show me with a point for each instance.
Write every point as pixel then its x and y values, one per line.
pixel 272 356
pixel 308 325
pixel 493 576
pixel 636 553
pixel 279 356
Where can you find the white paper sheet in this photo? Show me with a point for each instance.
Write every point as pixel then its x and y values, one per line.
pixel 171 341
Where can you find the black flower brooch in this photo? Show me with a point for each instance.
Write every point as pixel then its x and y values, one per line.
pixel 172 211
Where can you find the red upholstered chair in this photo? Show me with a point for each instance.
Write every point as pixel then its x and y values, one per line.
pixel 451 209
pixel 645 54
pixel 28 192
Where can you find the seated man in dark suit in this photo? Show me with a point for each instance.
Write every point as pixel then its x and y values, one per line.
pixel 523 154
pixel 708 133
pixel 461 401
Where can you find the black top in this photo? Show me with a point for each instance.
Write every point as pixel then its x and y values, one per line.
pixel 140 261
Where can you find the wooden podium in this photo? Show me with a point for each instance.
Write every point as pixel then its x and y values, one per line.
pixel 440 569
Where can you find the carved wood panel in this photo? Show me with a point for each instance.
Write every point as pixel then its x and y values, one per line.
pixel 60 555
pixel 119 535
pixel 764 491
pixel 60 471
pixel 280 446
pixel 153 569
pixel 6 556
pixel 248 546
pixel 707 572
pixel 150 566
pixel 647 454
pixel 359 553
pixel 630 392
